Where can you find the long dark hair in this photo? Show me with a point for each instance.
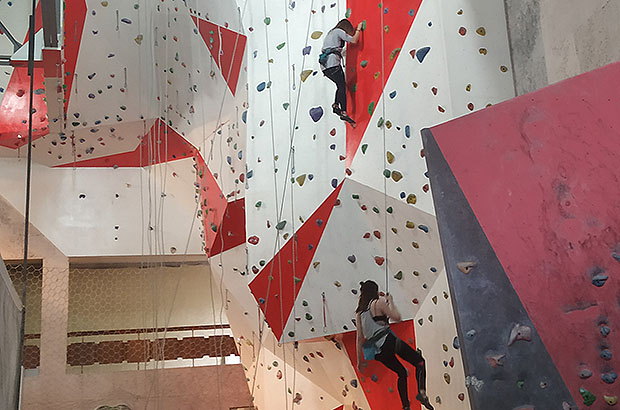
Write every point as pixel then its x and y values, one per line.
pixel 346 25
pixel 369 291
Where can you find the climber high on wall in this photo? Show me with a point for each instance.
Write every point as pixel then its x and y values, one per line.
pixel 331 63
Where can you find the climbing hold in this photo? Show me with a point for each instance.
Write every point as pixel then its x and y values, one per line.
pixel 398 275
pixel 394 52
pixel 253 240
pixel 599 280
pixel 316 35
pixel 611 400
pixel 462 31
pixel 605 330
pixel 471 333
pixel 422 53
pixel 461 396
pixel 353 383
pixel 305 74
pixel 446 378
pixel 496 360
pixel 392 94
pixel 606 354
pixel 588 398
pixel 364 148
pixel 387 173
pixel 423 228
pixel 280 46
pixel 374 378
pixel 301 179
pixel 337 284
pixel 466 267
pixel 380 122
pixel 396 176
pixel 609 377
pixel 304 303
pixel 267 20
pixel 364 63
pixel 434 299
pixel 585 373
pixel 261 86
pixel 379 260
pixel 410 225
pixel 481 31
pixel 371 107
pixel 280 225
pixel 308 316
pixel 316 113
pixel 616 256
pixel 412 199
pixel 520 332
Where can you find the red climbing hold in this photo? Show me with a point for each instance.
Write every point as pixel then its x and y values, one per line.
pixel 253 240
pixel 379 260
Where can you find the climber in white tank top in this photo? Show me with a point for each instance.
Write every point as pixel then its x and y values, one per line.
pixel 376 341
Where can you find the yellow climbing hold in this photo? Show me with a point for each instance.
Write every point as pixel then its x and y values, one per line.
pixel 315 264
pixel 104 3
pixel 316 35
pixel 415 245
pixel 410 225
pixel 468 88
pixel 396 176
pixel 415 85
pixel 446 377
pixel 390 157
pixel 483 51
pixel 444 347
pixel 301 179
pixel 611 400
pixel 481 31
pixel 412 199
pixel 305 74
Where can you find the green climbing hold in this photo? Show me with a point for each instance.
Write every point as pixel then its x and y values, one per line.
pixel 267 20
pixel 280 225
pixel 394 53
pixel 380 122
pixel 520 384
pixel 371 107
pixel 304 303
pixel 364 148
pixel 354 88
pixel 291 334
pixel 308 316
pixel 364 63
pixel 588 397
pixel 285 106
pixel 399 249
pixel 262 262
pixel 355 196
pixel 296 279
pixel 397 176
pixel 389 210
pixel 258 204
pixel 347 14
pixel 375 209
pixel 281 46
pixel 399 275
pixel 316 35
pixel 387 173
pixel 390 157
pixel 364 24
pixel 386 29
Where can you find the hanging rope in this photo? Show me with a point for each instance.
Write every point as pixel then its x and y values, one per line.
pixel 385 214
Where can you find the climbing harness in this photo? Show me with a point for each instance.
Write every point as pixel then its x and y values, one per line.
pixel 325 53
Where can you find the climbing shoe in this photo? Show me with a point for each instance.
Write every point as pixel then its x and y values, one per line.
pixel 336 109
pixel 345 117
pixel 423 398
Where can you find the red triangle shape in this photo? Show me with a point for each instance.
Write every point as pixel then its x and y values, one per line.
pixel 277 303
pixel 363 88
pixel 231 46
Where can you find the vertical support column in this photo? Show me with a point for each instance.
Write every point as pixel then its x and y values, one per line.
pixel 54 317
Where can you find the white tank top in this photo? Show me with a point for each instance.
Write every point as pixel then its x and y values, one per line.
pixel 371 328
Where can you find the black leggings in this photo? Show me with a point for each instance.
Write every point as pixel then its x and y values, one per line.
pixel 394 346
pixel 336 74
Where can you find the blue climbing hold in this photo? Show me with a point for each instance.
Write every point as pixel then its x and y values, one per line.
pixel 310 177
pixel 606 354
pixel 393 94
pixel 423 228
pixel 334 183
pixel 354 383
pixel 599 280
pixel 433 269
pixel 403 195
pixel 610 377
pixel 250 174
pixel 229 160
pixel 455 343
pixel 407 131
pixel 422 53
pixel 605 330
pixel 374 378
pixel 616 256
pixel 412 12
pixel 261 301
pixel 332 147
pixel 319 222
pixel 244 117
pixel 261 86
pixel 240 155
pixel 316 113
pixel 306 50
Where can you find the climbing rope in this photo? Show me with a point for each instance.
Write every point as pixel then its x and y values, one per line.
pixel 385 207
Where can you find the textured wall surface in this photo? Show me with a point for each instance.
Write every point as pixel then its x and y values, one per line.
pixel 534 215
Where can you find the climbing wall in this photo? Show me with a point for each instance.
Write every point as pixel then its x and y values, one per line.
pixel 534 289
pixel 145 84
pixel 329 205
